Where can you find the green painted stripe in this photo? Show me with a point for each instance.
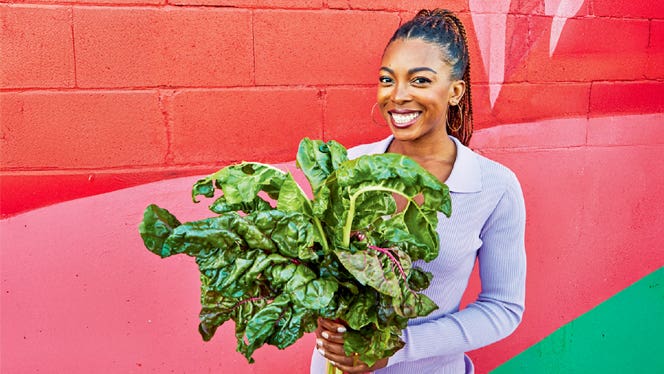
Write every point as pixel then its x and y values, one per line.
pixel 624 334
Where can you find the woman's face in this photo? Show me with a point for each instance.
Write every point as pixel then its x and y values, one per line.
pixel 415 88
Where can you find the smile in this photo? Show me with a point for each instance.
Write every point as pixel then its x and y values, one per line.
pixel 404 119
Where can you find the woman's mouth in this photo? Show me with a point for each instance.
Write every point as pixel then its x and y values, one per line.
pixel 404 119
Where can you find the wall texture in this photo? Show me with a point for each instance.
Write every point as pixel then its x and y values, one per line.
pixel 100 95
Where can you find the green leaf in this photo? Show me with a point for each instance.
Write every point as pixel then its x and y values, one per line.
pixel 419 279
pixel 385 174
pixel 274 266
pixel 157 225
pixel 371 344
pixel 264 323
pixel 314 295
pixel 292 198
pixel 362 311
pixel 318 160
pixel 294 236
pixel 369 270
pixel 295 322
pixel 221 205
pixel 217 308
pixel 241 183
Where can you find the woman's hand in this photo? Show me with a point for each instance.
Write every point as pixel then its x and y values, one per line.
pixel 330 344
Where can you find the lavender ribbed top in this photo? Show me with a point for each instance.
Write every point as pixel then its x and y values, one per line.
pixel 488 224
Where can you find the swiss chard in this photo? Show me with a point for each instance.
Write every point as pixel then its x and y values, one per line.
pixel 273 260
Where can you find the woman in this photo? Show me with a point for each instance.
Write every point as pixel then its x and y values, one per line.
pixel 424 95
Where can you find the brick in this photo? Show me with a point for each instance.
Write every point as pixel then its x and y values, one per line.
pixel 636 129
pixel 526 102
pixel 114 2
pixel 138 47
pixel 253 3
pixel 348 116
pixel 454 5
pixel 81 129
pixel 36 48
pixel 626 97
pixel 620 8
pixel 222 126
pixel 550 8
pixel 655 68
pixel 589 49
pixel 623 198
pixel 489 52
pixel 548 133
pixel 531 7
pixel 320 47
pixel 482 111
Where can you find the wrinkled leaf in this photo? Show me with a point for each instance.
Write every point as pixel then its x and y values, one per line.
pixel 318 160
pixel 156 227
pixel 241 183
pixel 274 267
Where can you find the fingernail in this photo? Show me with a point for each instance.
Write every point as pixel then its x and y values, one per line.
pixel 333 363
pixel 319 342
pixel 341 329
pixel 321 351
pixel 325 335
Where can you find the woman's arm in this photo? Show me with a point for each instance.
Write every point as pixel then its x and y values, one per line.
pixel 499 307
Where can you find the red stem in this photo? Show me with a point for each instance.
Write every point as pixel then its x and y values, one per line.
pixel 391 257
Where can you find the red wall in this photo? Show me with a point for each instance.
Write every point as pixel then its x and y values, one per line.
pixel 100 95
pixel 103 94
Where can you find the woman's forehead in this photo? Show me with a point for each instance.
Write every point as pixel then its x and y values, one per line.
pixel 412 53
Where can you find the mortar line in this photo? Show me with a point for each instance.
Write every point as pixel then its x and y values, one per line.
pixel 73 44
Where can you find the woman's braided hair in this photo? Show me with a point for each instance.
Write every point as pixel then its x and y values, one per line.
pixel 444 29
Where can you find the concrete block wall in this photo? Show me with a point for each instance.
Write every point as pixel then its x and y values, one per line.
pixel 98 95
pixel 128 91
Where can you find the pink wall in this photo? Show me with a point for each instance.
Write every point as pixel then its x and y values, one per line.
pixel 81 294
pixel 96 96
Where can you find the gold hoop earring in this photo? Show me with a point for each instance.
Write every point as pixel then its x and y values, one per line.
pixel 455 129
pixel 373 108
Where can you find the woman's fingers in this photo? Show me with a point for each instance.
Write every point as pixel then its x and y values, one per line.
pixel 330 344
pixel 339 359
pixel 330 331
pixel 337 349
pixel 333 337
pixel 353 367
pixel 331 325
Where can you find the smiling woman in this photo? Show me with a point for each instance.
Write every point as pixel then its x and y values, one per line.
pixel 424 95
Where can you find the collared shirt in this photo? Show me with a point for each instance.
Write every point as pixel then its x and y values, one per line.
pixel 487 224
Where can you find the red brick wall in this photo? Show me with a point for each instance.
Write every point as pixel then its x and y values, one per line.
pixel 98 95
pixel 127 91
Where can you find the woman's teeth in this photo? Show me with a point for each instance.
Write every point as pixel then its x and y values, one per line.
pixel 401 119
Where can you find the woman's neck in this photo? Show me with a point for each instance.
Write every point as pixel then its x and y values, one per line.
pixel 431 148
pixel 436 155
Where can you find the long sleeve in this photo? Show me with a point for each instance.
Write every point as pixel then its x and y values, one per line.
pixel 488 225
pixel 502 264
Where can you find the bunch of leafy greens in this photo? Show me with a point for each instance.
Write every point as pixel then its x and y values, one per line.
pixel 273 260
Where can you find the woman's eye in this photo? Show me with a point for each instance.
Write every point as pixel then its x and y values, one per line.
pixel 385 80
pixel 421 80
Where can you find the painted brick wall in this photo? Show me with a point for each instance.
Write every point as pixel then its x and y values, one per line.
pixel 130 90
pixel 97 95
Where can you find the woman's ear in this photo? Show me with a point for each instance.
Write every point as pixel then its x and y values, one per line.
pixel 457 89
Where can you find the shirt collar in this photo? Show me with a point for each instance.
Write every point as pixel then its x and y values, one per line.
pixel 466 176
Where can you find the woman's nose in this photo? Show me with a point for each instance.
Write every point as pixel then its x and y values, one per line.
pixel 400 93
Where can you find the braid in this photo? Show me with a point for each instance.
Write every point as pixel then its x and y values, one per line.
pixel 463 120
pixel 443 28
